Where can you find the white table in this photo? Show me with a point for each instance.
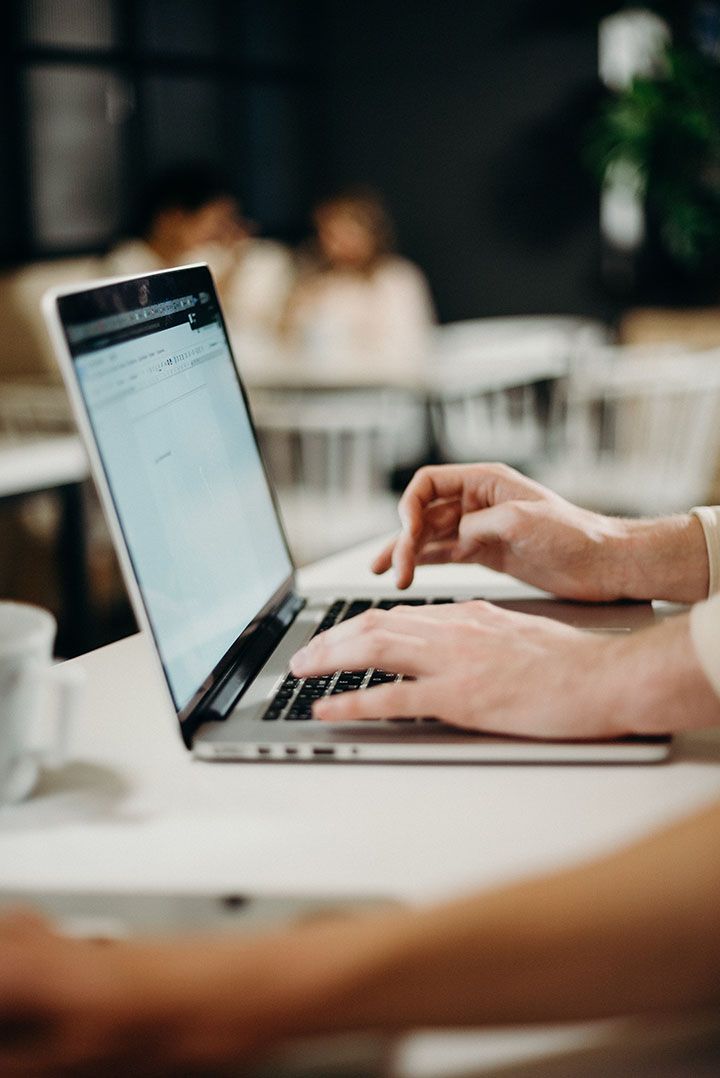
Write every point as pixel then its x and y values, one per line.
pixel 133 811
pixel 30 464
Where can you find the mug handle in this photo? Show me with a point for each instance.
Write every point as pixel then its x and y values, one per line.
pixel 49 740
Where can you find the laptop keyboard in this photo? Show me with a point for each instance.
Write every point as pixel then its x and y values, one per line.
pixel 295 697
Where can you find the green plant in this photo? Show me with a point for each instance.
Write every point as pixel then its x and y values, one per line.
pixel 665 131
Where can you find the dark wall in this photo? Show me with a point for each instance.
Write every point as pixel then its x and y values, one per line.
pixel 468 116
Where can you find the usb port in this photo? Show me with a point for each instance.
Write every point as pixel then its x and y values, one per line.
pixel 264 750
pixel 321 750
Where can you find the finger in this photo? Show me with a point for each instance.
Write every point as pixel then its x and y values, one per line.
pixel 401 699
pixel 494 524
pixel 440 520
pixel 383 561
pixel 441 553
pixel 425 616
pixel 384 648
pixel 364 623
pixel 403 560
pixel 429 484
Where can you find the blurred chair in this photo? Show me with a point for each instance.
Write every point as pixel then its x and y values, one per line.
pixel 641 432
pixel 25 349
pixel 494 380
pixel 329 454
pixel 30 408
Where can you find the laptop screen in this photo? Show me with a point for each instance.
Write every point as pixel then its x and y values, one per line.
pixel 171 424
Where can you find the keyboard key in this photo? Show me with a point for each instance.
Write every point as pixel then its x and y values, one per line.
pixel 389 604
pixel 381 677
pixel 348 680
pixel 359 606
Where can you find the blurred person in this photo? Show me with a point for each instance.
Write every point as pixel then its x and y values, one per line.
pixel 636 932
pixel 189 213
pixel 355 298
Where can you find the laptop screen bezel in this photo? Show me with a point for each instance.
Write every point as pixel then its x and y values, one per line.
pixel 193 278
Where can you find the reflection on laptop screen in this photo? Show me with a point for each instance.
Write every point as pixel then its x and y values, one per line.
pixel 161 391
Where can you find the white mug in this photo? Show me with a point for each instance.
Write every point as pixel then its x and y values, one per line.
pixel 33 729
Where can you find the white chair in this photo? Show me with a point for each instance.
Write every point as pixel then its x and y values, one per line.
pixel 642 432
pixel 486 374
pixel 329 453
pixel 32 408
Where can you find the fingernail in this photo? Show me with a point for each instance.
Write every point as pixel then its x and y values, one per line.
pixel 404 520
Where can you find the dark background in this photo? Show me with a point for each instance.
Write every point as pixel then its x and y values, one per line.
pixel 468 116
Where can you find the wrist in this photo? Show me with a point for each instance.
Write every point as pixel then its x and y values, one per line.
pixel 654 683
pixel 661 559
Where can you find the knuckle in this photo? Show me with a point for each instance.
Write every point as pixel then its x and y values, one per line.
pixel 371 620
pixel 401 610
pixel 515 518
pixel 318 646
pixel 377 645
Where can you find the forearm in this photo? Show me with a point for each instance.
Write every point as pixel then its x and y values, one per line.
pixel 638 932
pixel 661 559
pixel 650 683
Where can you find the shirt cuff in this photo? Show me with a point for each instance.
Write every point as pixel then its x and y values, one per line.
pixel 705 635
pixel 709 517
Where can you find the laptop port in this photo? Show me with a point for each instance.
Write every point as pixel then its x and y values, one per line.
pixel 264 750
pixel 290 751
pixel 322 750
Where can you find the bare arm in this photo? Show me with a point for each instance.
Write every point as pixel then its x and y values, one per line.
pixel 635 933
pixel 490 514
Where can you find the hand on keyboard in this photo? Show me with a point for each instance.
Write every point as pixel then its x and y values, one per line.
pixel 472 664
pixel 296 696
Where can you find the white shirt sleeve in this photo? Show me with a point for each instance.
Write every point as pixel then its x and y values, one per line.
pixel 705 617
pixel 709 517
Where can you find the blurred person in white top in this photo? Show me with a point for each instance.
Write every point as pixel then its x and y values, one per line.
pixel 355 300
pixel 190 213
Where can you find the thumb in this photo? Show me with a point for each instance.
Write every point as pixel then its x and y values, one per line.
pixel 497 524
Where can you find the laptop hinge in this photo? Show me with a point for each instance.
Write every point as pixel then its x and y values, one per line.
pixel 223 697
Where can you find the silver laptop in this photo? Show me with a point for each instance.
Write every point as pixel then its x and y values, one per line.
pixel 159 402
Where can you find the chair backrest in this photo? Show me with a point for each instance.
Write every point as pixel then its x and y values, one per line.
pixel 491 383
pixel 642 432
pixel 329 454
pixel 30 408
pixel 341 442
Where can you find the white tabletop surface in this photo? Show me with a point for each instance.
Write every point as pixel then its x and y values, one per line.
pixel 41 462
pixel 132 810
pixel 279 371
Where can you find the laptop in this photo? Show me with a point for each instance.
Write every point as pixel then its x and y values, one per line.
pixel 165 419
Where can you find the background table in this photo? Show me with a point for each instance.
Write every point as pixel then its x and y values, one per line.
pixel 133 811
pixel 57 464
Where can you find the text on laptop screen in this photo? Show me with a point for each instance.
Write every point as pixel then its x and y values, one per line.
pixel 171 425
